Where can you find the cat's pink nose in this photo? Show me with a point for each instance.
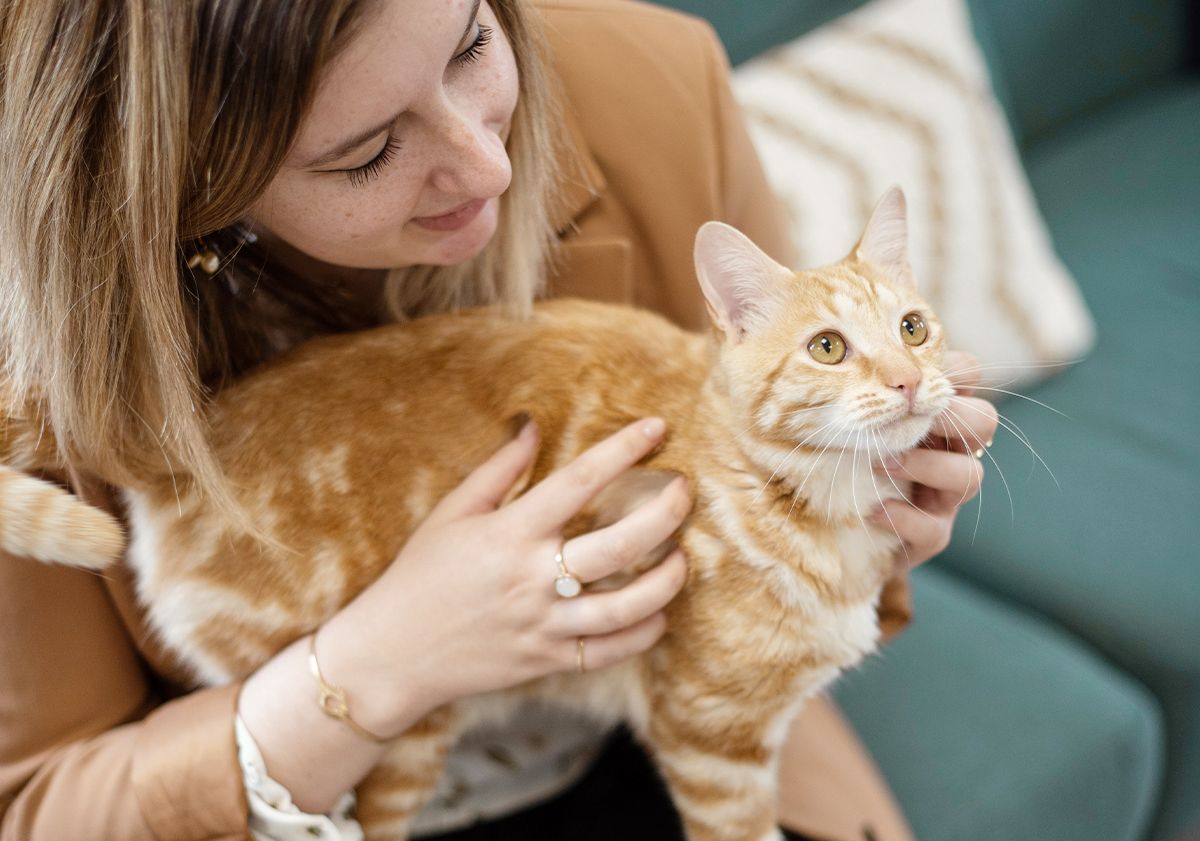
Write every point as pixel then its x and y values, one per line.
pixel 907 384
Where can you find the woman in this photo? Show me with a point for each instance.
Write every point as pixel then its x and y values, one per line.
pixel 192 187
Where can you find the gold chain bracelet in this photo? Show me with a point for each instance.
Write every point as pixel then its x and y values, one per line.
pixel 332 699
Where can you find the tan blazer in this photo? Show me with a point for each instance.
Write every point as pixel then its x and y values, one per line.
pixel 98 737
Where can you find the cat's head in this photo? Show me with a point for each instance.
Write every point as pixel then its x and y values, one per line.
pixel 846 357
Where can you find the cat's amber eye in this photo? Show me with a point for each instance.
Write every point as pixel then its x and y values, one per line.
pixel 828 348
pixel 913 329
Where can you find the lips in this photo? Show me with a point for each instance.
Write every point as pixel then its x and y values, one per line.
pixel 457 218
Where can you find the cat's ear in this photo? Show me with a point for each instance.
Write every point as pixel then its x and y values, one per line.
pixel 741 284
pixel 885 240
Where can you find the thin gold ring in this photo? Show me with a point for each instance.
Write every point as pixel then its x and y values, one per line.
pixel 579 655
pixel 566 584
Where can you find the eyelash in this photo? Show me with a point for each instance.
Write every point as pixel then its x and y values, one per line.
pixel 472 53
pixel 363 174
pixel 359 176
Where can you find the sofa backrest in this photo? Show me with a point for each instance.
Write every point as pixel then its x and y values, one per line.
pixel 1050 59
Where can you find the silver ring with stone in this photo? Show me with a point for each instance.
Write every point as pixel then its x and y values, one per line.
pixel 566 584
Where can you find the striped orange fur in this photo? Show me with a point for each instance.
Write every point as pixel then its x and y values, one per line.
pixel 40 520
pixel 342 446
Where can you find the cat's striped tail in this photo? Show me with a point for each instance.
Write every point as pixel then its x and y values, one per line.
pixel 40 520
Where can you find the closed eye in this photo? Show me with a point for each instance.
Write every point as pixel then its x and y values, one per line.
pixel 472 53
pixel 360 176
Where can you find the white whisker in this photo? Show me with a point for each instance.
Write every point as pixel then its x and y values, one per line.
pixel 1007 423
pixel 1024 397
pixel 853 494
pixel 903 496
pixel 990 366
pixel 1011 506
pixel 782 461
pixel 832 482
pixel 979 505
pixel 879 496
pixel 816 461
pixel 794 412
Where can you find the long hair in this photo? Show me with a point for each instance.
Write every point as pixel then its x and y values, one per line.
pixel 133 134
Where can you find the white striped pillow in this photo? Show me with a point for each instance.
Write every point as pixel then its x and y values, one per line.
pixel 897 92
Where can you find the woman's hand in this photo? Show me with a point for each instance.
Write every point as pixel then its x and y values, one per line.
pixel 944 470
pixel 470 604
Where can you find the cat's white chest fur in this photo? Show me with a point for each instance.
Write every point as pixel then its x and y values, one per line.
pixel 835 485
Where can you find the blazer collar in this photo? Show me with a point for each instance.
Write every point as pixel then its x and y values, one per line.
pixel 581 183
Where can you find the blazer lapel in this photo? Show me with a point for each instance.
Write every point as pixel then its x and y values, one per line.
pixel 580 181
pixel 597 268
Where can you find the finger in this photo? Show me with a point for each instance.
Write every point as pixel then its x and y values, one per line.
pixel 596 554
pixel 924 534
pixel 968 424
pixel 610 611
pixel 560 495
pixel 609 649
pixel 487 484
pixel 955 476
pixel 963 370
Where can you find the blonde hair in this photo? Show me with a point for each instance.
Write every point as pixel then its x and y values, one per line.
pixel 135 133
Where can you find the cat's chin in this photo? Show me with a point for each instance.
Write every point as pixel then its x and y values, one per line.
pixel 904 432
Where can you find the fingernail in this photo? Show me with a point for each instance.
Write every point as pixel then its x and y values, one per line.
pixel 529 431
pixel 654 428
pixel 679 553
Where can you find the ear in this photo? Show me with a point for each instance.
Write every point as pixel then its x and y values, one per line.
pixel 885 240
pixel 741 284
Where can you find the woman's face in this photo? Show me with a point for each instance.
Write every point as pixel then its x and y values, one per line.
pixel 401 159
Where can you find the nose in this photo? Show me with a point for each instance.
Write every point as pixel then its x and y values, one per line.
pixel 474 163
pixel 905 380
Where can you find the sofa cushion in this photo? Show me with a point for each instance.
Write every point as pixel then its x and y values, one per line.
pixel 991 724
pixel 1112 554
pixel 1060 58
pixel 897 92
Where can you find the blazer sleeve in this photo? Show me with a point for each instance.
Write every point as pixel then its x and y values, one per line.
pixel 86 749
pixel 750 206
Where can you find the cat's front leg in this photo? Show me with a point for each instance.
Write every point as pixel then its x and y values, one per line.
pixel 721 776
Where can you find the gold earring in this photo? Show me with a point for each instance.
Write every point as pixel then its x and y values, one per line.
pixel 206 260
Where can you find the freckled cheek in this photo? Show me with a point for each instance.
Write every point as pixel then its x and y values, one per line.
pixel 501 88
pixel 505 96
pixel 366 221
pixel 351 228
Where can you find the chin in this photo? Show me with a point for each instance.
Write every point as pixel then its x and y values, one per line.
pixel 905 433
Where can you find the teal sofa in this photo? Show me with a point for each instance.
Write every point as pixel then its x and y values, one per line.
pixel 1049 687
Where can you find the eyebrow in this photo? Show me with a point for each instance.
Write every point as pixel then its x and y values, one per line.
pixel 362 137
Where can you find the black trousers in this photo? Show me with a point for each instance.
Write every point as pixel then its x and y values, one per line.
pixel 621 798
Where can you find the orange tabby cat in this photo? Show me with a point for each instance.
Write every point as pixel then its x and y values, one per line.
pixel 342 446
